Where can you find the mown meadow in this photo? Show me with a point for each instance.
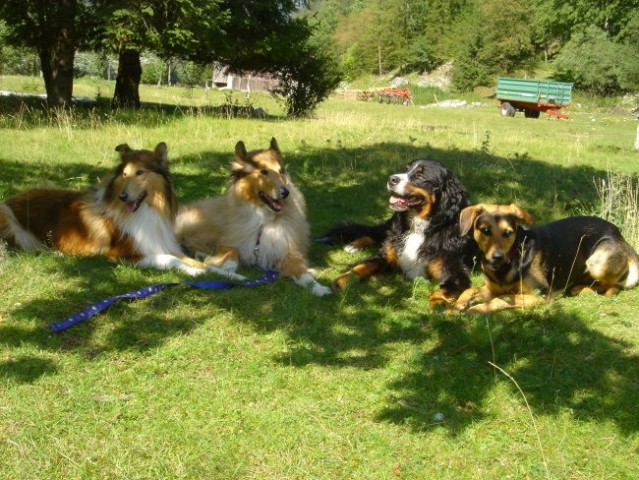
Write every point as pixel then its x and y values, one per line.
pixel 271 382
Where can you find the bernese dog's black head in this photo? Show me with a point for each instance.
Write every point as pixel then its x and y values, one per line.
pixel 429 190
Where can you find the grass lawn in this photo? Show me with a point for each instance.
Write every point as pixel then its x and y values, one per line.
pixel 273 383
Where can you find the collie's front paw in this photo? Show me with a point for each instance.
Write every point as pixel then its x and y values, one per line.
pixel 228 273
pixel 192 271
pixel 320 290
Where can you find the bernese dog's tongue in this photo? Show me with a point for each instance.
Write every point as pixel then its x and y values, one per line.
pixel 400 202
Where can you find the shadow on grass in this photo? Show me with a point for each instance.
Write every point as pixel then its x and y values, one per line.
pixel 558 360
pixel 27 112
pixel 26 368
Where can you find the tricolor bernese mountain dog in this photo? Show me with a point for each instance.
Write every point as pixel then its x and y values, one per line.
pixel 422 238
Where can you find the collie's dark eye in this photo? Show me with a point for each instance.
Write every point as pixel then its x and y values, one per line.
pixel 139 172
pixel 264 172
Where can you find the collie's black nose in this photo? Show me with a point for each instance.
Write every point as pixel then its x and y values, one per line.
pixel 284 192
pixel 123 196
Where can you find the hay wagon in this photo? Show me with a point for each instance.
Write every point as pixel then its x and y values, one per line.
pixel 532 97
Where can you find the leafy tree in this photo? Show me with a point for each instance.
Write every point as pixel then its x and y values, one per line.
pixel 169 28
pixel 494 38
pixel 351 64
pixel 468 70
pixel 15 60
pixel 55 29
pixel 252 35
pixel 592 61
pixel 306 78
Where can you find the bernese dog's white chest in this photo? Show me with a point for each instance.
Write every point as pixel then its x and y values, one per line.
pixel 409 257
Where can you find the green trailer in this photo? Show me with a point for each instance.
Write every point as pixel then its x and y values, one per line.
pixel 532 97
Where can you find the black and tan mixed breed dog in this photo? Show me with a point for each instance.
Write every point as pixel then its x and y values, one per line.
pixel 422 238
pixel 566 256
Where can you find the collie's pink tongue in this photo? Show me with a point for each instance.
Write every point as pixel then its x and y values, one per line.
pixel 131 207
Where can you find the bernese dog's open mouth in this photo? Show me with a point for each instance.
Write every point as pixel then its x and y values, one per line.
pixel 273 204
pixel 133 206
pixel 401 203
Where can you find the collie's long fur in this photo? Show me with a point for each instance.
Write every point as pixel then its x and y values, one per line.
pixel 259 221
pixel 128 215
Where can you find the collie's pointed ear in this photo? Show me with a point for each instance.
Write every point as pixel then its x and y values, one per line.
pixel 274 146
pixel 123 149
pixel 241 164
pixel 240 150
pixel 162 155
pixel 521 214
pixel 467 218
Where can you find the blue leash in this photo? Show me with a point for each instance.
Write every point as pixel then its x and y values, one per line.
pixel 269 277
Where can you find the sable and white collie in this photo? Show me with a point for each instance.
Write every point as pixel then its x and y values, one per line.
pixel 129 214
pixel 259 221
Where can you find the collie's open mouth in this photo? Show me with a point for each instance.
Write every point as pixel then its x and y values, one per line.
pixel 133 206
pixel 273 204
pixel 400 203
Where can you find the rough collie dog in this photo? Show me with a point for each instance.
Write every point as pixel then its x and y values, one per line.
pixel 570 255
pixel 259 221
pixel 422 238
pixel 128 215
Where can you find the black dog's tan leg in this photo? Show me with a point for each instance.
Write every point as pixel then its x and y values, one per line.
pixel 453 278
pixel 472 296
pixel 359 244
pixel 363 271
pixel 505 302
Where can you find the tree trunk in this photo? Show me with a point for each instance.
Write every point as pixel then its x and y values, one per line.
pixel 56 62
pixel 127 82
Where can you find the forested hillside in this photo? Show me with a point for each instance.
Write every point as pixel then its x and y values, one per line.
pixel 593 43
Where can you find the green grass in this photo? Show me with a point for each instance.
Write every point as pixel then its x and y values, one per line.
pixel 273 383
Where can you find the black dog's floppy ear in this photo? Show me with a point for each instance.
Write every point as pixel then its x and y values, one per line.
pixel 521 214
pixel 467 218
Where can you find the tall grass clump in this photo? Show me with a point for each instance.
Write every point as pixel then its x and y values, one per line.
pixel 618 203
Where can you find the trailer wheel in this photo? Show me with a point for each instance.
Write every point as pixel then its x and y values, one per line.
pixel 507 110
pixel 530 113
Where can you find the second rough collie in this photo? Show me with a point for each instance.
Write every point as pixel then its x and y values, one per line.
pixel 259 221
